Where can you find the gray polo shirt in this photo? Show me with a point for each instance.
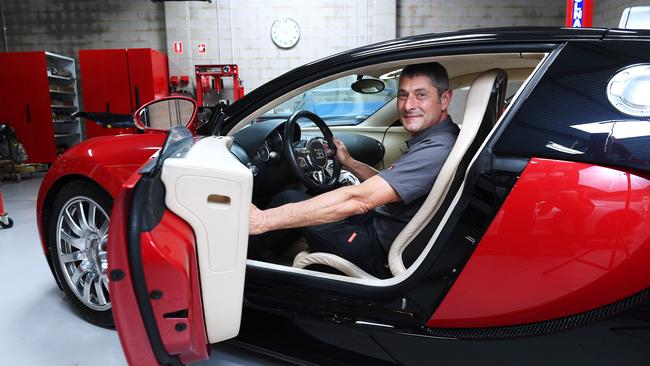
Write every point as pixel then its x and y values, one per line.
pixel 412 177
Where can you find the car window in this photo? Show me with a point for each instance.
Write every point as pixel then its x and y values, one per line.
pixel 335 102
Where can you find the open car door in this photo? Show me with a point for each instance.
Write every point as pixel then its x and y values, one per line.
pixel 177 251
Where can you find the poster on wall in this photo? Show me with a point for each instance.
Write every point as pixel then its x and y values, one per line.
pixel 579 13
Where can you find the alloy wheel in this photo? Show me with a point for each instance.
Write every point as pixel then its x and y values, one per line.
pixel 81 240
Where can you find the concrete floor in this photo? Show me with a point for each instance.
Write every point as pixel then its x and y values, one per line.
pixel 38 325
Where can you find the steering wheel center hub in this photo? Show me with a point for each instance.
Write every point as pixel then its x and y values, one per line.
pixel 310 158
pixel 317 153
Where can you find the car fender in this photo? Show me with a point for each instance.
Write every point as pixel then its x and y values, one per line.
pixel 107 161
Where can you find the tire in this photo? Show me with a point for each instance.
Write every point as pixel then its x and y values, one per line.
pixel 76 238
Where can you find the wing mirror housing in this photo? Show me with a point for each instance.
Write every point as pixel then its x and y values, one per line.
pixel 166 113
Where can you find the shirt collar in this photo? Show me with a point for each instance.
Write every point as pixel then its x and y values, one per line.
pixel 440 126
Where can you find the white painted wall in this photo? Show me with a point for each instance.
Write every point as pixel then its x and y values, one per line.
pixel 239 32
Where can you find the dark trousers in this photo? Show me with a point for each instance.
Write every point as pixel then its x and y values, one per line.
pixel 353 238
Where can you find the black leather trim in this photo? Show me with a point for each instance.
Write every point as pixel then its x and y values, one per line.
pixel 143 217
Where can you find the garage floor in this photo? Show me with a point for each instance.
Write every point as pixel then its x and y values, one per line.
pixel 38 325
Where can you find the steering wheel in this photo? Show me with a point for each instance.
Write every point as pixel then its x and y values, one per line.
pixel 308 158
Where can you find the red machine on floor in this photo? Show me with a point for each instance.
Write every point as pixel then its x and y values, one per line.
pixel 217 84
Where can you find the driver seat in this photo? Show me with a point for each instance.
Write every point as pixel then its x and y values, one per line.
pixel 485 103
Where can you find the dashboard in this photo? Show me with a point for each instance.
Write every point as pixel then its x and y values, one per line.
pixel 260 147
pixel 271 147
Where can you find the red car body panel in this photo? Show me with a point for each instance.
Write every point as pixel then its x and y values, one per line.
pixel 129 323
pixel 172 279
pixel 170 263
pixel 109 161
pixel 570 237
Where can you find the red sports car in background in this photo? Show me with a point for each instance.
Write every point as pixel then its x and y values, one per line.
pixel 532 247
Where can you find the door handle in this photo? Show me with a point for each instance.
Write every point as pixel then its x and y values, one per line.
pixel 28 113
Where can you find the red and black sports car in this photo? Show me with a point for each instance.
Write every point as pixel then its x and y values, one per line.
pixel 532 247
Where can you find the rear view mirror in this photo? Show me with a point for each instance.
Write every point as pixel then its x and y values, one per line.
pixel 164 114
pixel 368 86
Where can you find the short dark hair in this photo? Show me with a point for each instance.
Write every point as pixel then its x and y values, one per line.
pixel 433 70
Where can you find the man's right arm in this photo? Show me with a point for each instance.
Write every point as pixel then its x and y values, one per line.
pixel 360 170
pixel 327 207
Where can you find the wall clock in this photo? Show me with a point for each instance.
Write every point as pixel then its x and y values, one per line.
pixel 285 32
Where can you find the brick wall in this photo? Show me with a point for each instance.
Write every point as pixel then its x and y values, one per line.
pixel 66 26
pixel 239 32
pixel 426 16
pixel 608 13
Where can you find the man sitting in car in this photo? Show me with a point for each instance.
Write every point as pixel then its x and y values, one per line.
pixel 360 222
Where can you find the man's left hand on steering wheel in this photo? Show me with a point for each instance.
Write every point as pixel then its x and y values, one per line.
pixel 309 159
pixel 340 150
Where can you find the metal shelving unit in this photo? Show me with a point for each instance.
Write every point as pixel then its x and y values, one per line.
pixel 61 74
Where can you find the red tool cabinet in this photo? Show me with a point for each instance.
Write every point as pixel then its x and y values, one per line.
pixel 119 81
pixel 37 96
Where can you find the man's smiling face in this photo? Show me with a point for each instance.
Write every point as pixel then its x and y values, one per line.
pixel 419 105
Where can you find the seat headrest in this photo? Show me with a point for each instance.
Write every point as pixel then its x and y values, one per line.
pixel 494 82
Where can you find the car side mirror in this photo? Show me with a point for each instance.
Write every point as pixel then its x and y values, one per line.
pixel 166 113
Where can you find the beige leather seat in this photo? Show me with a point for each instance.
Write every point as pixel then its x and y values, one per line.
pixel 483 108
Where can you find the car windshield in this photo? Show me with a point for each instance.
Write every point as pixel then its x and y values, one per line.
pixel 335 102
